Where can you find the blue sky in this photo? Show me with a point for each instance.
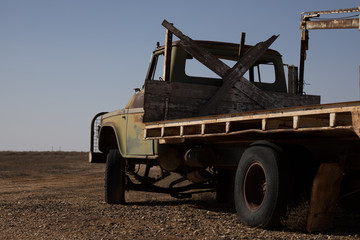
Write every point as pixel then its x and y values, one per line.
pixel 61 62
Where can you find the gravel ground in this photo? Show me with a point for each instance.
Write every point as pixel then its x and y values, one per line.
pixel 58 195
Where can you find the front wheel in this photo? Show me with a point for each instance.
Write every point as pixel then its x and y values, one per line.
pixel 262 187
pixel 115 178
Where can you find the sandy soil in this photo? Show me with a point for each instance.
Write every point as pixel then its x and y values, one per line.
pixel 59 195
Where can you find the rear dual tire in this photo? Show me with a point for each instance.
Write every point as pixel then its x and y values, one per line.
pixel 263 186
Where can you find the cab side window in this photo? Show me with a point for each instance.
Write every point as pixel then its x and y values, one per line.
pixel 261 73
pixel 158 67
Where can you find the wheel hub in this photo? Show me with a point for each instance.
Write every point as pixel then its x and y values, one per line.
pixel 254 186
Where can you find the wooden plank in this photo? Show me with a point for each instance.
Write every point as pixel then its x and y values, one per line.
pixel 324 197
pixel 355 116
pixel 332 119
pixel 293 80
pixel 346 112
pixel 343 133
pixel 157 112
pixel 201 54
pixel 198 91
pixel 264 124
pixel 242 44
pixel 183 100
pixel 290 100
pixel 250 135
pixel 167 55
pixel 184 97
pixel 249 89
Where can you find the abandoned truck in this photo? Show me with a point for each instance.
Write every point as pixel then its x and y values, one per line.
pixel 243 134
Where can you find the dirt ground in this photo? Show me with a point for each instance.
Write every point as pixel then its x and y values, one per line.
pixel 59 195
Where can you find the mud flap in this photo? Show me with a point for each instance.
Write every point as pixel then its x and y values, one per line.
pixel 324 197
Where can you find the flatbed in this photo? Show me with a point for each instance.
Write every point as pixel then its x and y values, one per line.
pixel 340 120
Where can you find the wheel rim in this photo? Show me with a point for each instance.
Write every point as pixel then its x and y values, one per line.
pixel 254 188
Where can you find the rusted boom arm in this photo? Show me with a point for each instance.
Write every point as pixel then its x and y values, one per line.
pixel 331 24
pixel 339 23
pixel 306 25
pixel 224 71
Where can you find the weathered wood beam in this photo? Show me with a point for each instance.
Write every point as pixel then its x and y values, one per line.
pixel 186 100
pixel 167 56
pixel 242 44
pixel 201 54
pixel 220 68
pixel 239 69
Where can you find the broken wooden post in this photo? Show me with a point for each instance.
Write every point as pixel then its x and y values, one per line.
pixel 303 48
pixel 293 80
pixel 242 44
pixel 167 55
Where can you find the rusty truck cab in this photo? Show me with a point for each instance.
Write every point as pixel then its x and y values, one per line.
pixel 267 73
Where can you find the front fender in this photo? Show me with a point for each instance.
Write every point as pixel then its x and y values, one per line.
pixel 112 136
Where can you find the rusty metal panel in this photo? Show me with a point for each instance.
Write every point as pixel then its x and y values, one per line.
pixel 135 143
pixel 116 121
pixel 337 23
pixel 324 197
pixel 331 24
pixel 343 10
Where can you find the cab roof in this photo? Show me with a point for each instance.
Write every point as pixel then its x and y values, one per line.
pixel 220 48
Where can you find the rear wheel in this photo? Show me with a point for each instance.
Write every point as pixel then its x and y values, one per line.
pixel 115 178
pixel 262 186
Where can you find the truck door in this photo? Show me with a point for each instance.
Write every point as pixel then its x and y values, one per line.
pixel 135 143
